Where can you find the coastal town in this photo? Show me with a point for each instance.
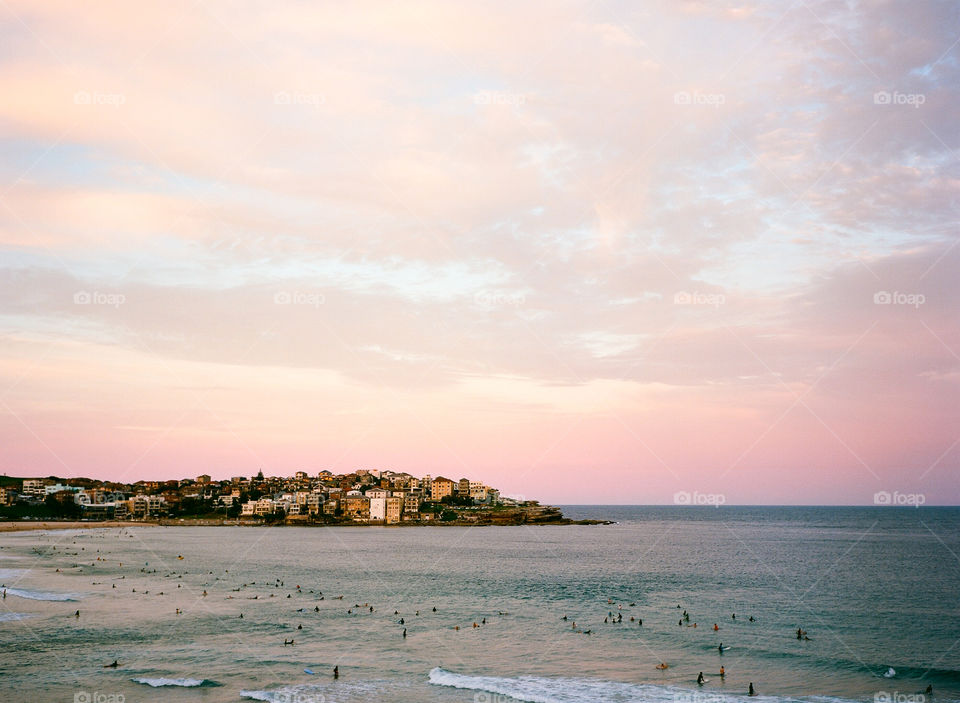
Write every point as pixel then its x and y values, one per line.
pixel 368 497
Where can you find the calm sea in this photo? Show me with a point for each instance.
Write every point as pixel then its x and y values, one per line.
pixel 877 591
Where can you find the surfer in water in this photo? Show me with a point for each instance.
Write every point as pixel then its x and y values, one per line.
pixel 700 679
pixel 663 666
pixel 336 672
pixel 750 691
pixel 112 666
pixel 720 648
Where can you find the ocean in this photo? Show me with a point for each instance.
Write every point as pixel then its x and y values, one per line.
pixel 876 590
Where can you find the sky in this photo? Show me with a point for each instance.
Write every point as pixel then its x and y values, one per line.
pixel 585 252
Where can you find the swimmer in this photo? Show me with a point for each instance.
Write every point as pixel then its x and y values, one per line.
pixel 750 691
pixel 336 672
pixel 662 666
pixel 722 672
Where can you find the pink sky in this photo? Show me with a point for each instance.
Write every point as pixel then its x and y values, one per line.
pixel 584 252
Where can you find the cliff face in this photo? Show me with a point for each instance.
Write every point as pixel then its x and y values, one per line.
pixel 522 515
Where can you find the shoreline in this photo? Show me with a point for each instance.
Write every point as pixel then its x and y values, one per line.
pixel 29 525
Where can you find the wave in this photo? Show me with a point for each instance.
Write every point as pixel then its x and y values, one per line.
pixel 183 683
pixel 930 675
pixel 42 595
pixel 8 617
pixel 536 689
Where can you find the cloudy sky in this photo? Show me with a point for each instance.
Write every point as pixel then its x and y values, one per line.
pixel 589 252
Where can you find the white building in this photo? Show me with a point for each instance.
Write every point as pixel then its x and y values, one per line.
pixel 378 508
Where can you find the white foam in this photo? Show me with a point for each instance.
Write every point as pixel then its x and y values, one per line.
pixel 42 595
pixel 157 683
pixel 536 689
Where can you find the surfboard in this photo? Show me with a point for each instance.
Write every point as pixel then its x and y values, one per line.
pixel 308 671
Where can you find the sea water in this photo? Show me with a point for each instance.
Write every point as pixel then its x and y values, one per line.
pixel 877 591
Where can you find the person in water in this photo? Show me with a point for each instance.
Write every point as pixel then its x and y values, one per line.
pixel 722 672
pixel 720 648
pixel 336 673
pixel 700 679
pixel 929 690
pixel 750 691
